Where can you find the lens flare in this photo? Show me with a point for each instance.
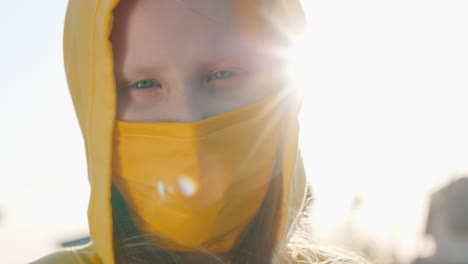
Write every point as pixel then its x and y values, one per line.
pixel 161 188
pixel 187 186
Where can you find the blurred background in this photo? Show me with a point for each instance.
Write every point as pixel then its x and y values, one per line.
pixel 384 130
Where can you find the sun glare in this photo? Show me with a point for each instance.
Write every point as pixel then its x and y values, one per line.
pixel 299 61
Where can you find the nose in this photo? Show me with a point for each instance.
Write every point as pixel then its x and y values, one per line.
pixel 186 103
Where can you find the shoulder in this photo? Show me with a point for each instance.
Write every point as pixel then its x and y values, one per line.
pixel 85 254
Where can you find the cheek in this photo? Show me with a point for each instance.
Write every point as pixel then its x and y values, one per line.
pixel 243 94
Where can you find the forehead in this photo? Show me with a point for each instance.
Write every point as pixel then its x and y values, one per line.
pixel 219 13
pixel 172 24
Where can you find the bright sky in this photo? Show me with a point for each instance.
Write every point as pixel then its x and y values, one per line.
pixel 386 109
pixel 385 117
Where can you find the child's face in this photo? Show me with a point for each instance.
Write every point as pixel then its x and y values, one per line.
pixel 183 61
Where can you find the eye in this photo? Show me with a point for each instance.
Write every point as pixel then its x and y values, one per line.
pixel 220 75
pixel 145 84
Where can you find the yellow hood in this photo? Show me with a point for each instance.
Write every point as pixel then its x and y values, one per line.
pixel 89 69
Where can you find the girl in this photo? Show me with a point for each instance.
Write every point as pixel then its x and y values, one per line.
pixel 190 124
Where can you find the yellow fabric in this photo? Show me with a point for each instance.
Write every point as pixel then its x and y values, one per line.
pixel 197 186
pixel 89 68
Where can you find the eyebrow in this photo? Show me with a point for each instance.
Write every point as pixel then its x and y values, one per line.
pixel 150 69
pixel 142 70
pixel 124 76
pixel 138 69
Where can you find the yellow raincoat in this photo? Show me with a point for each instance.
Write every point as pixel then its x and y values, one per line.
pixel 89 68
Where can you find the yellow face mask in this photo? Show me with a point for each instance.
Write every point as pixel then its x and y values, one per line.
pixel 197 186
